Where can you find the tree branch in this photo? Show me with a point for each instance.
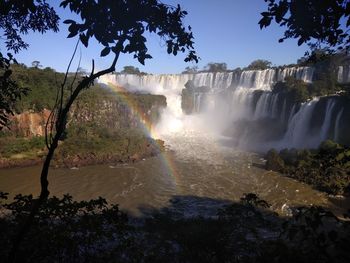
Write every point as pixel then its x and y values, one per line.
pixel 60 128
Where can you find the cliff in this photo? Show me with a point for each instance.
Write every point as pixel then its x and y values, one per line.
pixel 107 111
pixel 104 125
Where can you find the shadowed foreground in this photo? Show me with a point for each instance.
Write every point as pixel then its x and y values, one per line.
pixel 246 231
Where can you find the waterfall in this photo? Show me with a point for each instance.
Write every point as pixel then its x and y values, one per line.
pixel 229 97
pixel 284 109
pixel 303 73
pixel 327 120
pixel 336 126
pixel 297 130
pixel 262 106
pixel 344 74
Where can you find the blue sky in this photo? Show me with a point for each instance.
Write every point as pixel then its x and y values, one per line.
pixel 224 31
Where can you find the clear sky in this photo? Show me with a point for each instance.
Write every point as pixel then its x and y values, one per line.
pixel 224 31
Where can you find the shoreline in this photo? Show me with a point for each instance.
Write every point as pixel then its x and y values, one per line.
pixel 82 160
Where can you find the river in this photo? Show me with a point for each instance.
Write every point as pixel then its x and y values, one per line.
pixel 198 173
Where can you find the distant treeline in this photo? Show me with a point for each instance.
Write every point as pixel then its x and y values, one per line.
pixel 319 57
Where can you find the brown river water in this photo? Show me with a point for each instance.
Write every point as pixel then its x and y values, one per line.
pixel 200 172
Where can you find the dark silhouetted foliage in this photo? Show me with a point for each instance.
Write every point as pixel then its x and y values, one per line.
pixel 20 17
pixel 10 92
pixel 120 26
pixel 65 230
pixel 317 23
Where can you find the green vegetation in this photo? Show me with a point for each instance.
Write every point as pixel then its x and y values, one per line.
pixel 101 129
pixel 215 67
pixel 84 144
pixel 92 145
pixel 145 103
pixel 297 91
pixel 247 231
pixel 12 146
pixel 42 85
pixel 10 91
pixel 132 70
pixel 259 64
pixel 325 77
pixel 326 169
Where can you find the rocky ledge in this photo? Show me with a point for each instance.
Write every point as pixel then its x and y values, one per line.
pixel 146 149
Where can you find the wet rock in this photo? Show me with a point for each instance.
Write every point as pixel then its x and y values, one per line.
pixel 286 210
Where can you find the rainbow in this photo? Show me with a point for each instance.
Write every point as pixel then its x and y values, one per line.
pixel 147 127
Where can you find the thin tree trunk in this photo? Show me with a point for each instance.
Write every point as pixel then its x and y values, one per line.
pixel 35 209
pixel 60 128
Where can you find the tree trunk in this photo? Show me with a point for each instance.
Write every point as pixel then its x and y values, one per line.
pixel 60 128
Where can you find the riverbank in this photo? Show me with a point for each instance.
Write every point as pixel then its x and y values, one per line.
pixel 123 147
pixel 326 169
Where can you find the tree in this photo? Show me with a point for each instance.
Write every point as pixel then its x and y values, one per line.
pixel 10 91
pixel 130 70
pixel 216 67
pixel 190 70
pixel 36 64
pixel 17 18
pixel 259 64
pixel 316 23
pixel 120 27
pixel 20 17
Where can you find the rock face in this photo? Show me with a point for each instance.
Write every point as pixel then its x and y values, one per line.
pixel 101 128
pixel 132 111
pixel 126 111
pixel 191 98
pixel 29 123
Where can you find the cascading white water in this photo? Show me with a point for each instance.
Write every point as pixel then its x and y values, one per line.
pixel 344 74
pixel 240 86
pixel 297 130
pixel 336 126
pixel 327 120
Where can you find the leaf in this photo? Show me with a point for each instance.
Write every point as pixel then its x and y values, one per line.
pixel 300 41
pixel 72 34
pixel 141 60
pixel 69 21
pixel 84 39
pixel 105 51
